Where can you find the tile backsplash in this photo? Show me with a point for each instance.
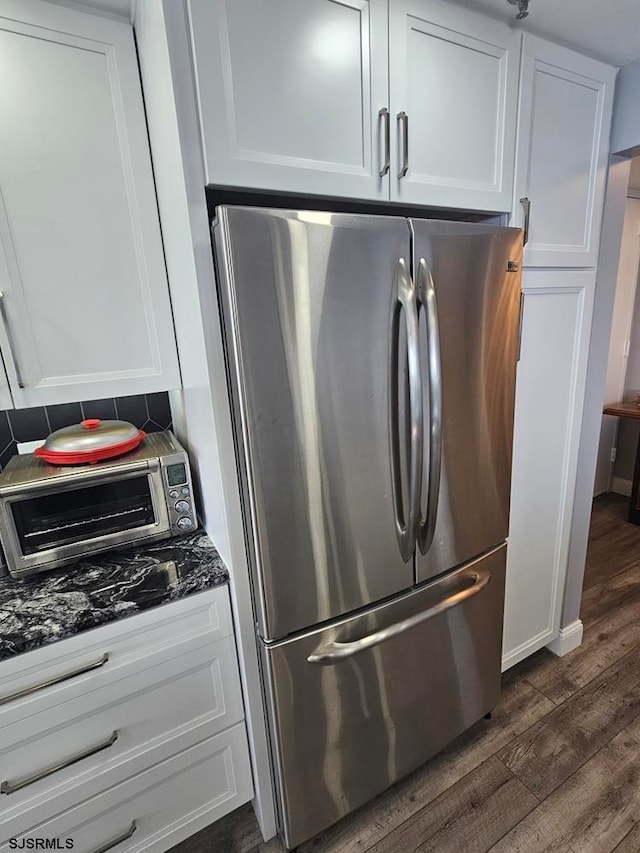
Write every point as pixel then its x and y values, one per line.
pixel 150 412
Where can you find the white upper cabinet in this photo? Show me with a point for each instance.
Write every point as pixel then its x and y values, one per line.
pixel 454 90
pixel 563 145
pixel 290 93
pixel 85 310
pixel 305 96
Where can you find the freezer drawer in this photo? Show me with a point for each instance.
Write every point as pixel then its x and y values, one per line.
pixel 356 706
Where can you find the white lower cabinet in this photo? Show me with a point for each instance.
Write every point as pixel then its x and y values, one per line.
pixel 162 805
pixel 556 324
pixel 141 732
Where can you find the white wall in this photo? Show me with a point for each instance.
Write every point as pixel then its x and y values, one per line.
pixel 626 111
pixel 623 312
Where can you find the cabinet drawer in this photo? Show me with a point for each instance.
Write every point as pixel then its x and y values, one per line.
pixel 159 807
pixel 53 674
pixel 64 754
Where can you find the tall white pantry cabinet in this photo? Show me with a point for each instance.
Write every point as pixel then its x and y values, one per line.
pixel 562 158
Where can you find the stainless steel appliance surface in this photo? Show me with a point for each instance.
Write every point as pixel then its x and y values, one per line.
pixel 51 515
pixel 360 704
pixel 371 364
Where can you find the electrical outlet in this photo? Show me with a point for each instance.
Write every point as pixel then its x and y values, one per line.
pixel 612 458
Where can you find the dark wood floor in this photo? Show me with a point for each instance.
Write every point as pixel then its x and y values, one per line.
pixel 557 769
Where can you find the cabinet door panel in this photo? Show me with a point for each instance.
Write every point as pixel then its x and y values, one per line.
pixel 86 304
pixel 290 93
pixel 549 400
pixel 455 75
pixel 562 153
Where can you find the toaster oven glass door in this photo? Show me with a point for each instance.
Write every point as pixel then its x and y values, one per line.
pixel 51 521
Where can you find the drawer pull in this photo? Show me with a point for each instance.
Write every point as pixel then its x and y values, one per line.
pixel 120 838
pixel 12 787
pixel 56 679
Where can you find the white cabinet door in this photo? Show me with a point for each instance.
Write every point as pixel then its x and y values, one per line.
pixel 563 146
pixel 290 92
pixel 454 75
pixel 550 391
pixel 85 306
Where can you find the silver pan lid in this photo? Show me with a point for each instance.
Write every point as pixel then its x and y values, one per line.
pixel 90 441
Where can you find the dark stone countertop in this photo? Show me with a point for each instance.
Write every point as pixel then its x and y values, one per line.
pixel 54 605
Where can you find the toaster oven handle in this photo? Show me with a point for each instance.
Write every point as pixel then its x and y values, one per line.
pixel 83 478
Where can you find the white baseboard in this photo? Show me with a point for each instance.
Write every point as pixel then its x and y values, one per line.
pixel 621 487
pixel 568 639
pixel 526 649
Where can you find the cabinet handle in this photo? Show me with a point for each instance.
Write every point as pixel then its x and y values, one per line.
pixel 12 346
pixel 384 115
pixel 12 787
pixel 526 203
pixel 56 679
pixel 118 840
pixel 403 118
pixel 520 322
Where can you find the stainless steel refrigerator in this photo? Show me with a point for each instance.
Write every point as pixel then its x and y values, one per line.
pixel 371 364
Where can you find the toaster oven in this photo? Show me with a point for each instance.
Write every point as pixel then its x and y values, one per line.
pixel 53 515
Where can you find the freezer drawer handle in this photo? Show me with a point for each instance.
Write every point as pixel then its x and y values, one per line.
pixel 336 651
pixel 57 679
pixel 12 787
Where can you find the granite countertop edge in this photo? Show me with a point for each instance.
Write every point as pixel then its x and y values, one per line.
pixel 61 603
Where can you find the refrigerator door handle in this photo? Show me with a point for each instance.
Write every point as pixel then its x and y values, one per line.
pixel 427 298
pixel 406 525
pixel 336 651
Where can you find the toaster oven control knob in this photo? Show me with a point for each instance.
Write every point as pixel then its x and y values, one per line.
pixel 182 506
pixel 184 523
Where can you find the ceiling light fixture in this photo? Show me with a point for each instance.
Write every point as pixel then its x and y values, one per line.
pixel 523 8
